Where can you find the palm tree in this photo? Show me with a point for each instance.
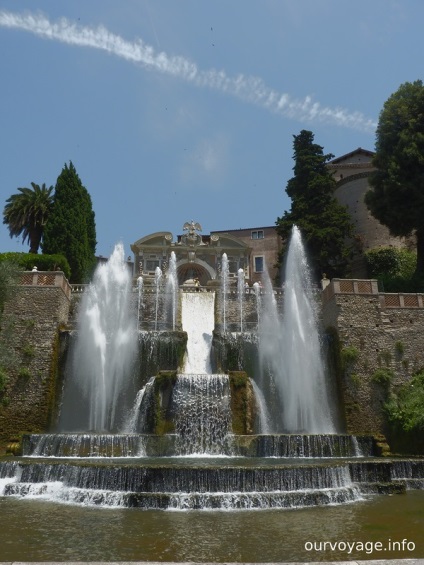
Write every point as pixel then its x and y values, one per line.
pixel 26 213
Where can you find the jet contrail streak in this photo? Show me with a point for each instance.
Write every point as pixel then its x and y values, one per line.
pixel 247 88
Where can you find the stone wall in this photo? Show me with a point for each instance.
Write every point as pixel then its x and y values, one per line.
pixel 378 334
pixel 30 328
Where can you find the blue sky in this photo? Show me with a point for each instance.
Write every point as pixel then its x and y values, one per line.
pixel 173 110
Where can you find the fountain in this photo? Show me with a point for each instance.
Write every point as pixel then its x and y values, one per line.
pixel 102 356
pixel 140 288
pixel 199 435
pixel 158 279
pixel 291 348
pixel 241 291
pixel 224 289
pixel 172 290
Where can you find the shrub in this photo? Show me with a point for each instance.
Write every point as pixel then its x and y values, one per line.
pixel 28 350
pixel 394 269
pixel 382 376
pixel 24 373
pixel 405 408
pixel 399 348
pixel 3 379
pixel 26 261
pixel 349 355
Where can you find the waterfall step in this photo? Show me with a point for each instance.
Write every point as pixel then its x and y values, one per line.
pixel 144 445
pixel 209 487
pixel 213 487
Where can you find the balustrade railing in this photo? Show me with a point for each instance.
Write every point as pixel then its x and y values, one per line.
pixel 46 279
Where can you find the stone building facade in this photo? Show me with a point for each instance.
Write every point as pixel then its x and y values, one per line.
pixel 352 172
pixel 198 256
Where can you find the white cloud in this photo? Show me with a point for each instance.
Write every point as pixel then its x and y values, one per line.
pixel 247 88
pixel 206 164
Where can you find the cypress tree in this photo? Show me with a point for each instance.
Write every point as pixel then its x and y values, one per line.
pixel 71 229
pixel 325 224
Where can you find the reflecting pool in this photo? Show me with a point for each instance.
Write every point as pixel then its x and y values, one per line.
pixel 34 530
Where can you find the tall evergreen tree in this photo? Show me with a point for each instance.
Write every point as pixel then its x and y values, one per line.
pixel 397 198
pixel 71 229
pixel 27 212
pixel 325 224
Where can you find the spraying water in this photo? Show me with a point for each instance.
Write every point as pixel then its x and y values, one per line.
pixel 257 291
pixel 302 382
pixel 158 278
pixel 139 300
pixel 104 352
pixel 225 273
pixel 240 294
pixel 172 290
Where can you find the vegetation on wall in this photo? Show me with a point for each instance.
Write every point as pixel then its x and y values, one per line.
pixel 393 268
pixel 397 198
pixel 405 408
pixel 325 224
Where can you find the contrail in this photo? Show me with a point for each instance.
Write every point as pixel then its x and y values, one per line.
pixel 247 88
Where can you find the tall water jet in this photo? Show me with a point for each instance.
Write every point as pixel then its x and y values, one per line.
pixel 302 380
pixel 225 273
pixel 240 294
pixel 172 290
pixel 257 291
pixel 158 278
pixel 104 352
pixel 140 289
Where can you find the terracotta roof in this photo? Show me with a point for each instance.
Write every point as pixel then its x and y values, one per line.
pixel 351 154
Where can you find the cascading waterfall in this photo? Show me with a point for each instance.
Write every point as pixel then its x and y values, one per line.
pixel 132 425
pixel 263 414
pixel 172 290
pixel 104 352
pixel 225 273
pixel 202 414
pixel 198 320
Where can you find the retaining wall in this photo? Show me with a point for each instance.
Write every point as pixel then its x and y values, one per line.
pixel 376 331
pixel 30 339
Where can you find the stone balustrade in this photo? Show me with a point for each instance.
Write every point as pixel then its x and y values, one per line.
pixel 370 287
pixel 47 278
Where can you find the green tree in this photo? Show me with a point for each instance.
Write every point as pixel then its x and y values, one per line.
pixel 325 224
pixel 397 198
pixel 71 230
pixel 27 212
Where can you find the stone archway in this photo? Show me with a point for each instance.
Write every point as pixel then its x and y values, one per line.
pixel 188 271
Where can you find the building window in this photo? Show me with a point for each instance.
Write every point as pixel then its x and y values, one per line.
pixel 258 234
pixel 151 264
pixel 259 264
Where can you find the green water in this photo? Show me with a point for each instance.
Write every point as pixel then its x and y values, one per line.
pixel 33 530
